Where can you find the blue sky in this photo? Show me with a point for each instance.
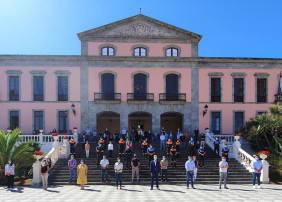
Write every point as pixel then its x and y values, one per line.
pixel 230 28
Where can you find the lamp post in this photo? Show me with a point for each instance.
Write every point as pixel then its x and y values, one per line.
pixel 205 110
pixel 73 109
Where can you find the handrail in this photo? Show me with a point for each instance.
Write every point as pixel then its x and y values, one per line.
pixel 244 158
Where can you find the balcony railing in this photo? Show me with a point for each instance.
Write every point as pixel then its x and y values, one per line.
pixel 140 96
pixel 62 97
pixel 261 98
pixel 278 98
pixel 215 98
pixel 172 97
pixel 107 96
pixel 38 97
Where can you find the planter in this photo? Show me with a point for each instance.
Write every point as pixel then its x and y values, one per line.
pixel 263 156
pixel 40 130
pixel 237 138
pixel 75 130
pixel 65 141
pixel 38 157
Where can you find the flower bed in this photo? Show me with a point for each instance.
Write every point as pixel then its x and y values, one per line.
pixel 54 134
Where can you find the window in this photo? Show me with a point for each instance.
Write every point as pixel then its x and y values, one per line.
pixel 261 89
pixel 171 52
pixel 262 112
pixel 108 86
pixel 62 88
pixel 140 52
pixel 238 90
pixel 63 121
pixel 215 90
pixel 140 86
pixel 38 94
pixel 215 122
pixel 14 119
pixel 108 51
pixel 172 87
pixel 38 120
pixel 14 87
pixel 239 120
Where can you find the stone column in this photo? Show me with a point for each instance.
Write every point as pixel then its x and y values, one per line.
pixel 36 180
pixel 123 120
pixel 195 98
pixel 265 172
pixel 236 147
pixel 156 123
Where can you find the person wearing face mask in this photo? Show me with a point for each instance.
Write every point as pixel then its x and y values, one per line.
pixel 44 174
pixel 144 147
pixel 104 168
pixel 10 173
pixel 202 154
pixel 164 165
pixel 223 167
pixel 87 149
pixel 135 164
pixel 155 170
pixel 110 149
pixel 50 164
pixel 225 152
pixel 168 146
pixel 151 152
pixel 100 153
pixel 192 147
pixel 128 156
pixel 82 174
pixel 257 168
pixel 72 168
pixel 118 173
pixel 121 147
pixel 196 167
pixel 216 144
pixel 173 155
pixel 190 167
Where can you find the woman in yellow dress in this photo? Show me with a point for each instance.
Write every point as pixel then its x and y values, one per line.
pixel 82 174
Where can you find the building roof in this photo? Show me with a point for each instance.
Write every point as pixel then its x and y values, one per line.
pixel 139 26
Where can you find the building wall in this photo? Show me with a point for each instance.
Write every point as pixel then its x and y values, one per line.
pixel 125 49
pixel 50 105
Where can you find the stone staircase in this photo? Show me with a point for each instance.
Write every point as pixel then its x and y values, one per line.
pixel 209 174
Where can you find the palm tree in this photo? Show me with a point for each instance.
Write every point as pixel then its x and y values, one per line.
pixel 22 154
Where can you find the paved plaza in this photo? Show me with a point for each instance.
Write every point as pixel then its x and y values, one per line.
pixel 142 193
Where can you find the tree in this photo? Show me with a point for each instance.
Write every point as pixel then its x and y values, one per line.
pixel 22 154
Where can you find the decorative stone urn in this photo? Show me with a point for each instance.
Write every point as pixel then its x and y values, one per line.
pixel 38 157
pixel 55 138
pixel 65 141
pixel 237 137
pixel 263 156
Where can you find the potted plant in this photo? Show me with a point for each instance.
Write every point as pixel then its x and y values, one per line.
pixel 55 136
pixel 38 155
pixel 40 130
pixel 75 129
pixel 65 139
pixel 263 154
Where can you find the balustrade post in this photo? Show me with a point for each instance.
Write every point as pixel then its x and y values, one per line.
pixel 236 147
pixel 264 178
pixel 41 136
pixel 36 180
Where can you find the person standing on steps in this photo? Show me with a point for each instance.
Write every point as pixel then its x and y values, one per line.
pixel 202 154
pixel 173 154
pixel 192 147
pixel 177 147
pixel 162 139
pixel 72 146
pixel 189 167
pixel 118 173
pixel 44 174
pixel 223 167
pixel 87 149
pixel 100 153
pixel 135 164
pixel 164 166
pixel 151 152
pixel 104 168
pixel 72 168
pixel 144 147
pixel 117 136
pixel 95 136
pixel 155 170
pixel 203 140
pixel 182 141
pixel 128 156
pixel 225 152
pixel 168 147
pixel 121 147
pixel 102 142
pixel 257 168
pixel 10 173
pixel 196 167
pixel 110 149
pixel 82 174
pixel 196 133
pixel 50 164
pixel 216 144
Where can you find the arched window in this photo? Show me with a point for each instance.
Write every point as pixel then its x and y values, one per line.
pixel 140 86
pixel 108 51
pixel 172 88
pixel 140 52
pixel 108 86
pixel 171 52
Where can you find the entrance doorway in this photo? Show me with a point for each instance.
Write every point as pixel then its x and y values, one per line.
pixel 108 119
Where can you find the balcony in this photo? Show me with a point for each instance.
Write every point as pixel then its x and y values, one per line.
pixel 278 98
pixel 108 98
pixel 179 98
pixel 138 98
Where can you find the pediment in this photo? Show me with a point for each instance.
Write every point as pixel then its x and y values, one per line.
pixel 139 26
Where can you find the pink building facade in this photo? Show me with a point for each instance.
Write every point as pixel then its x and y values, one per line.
pixel 137 72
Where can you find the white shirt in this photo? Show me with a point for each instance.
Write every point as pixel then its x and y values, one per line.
pixel 104 163
pixel 123 131
pixel 224 164
pixel 9 169
pixel 190 165
pixel 118 167
pixel 110 147
pixel 162 137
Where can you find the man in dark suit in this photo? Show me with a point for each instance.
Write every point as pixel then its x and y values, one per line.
pixel 155 170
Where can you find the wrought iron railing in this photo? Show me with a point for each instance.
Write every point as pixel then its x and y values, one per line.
pixel 140 96
pixel 107 96
pixel 172 97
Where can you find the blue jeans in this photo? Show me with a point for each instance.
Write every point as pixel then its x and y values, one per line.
pixel 162 145
pixel 104 172
pixel 156 176
pixel 50 176
pixel 73 172
pixel 182 145
pixel 118 179
pixel 189 176
pixel 256 175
